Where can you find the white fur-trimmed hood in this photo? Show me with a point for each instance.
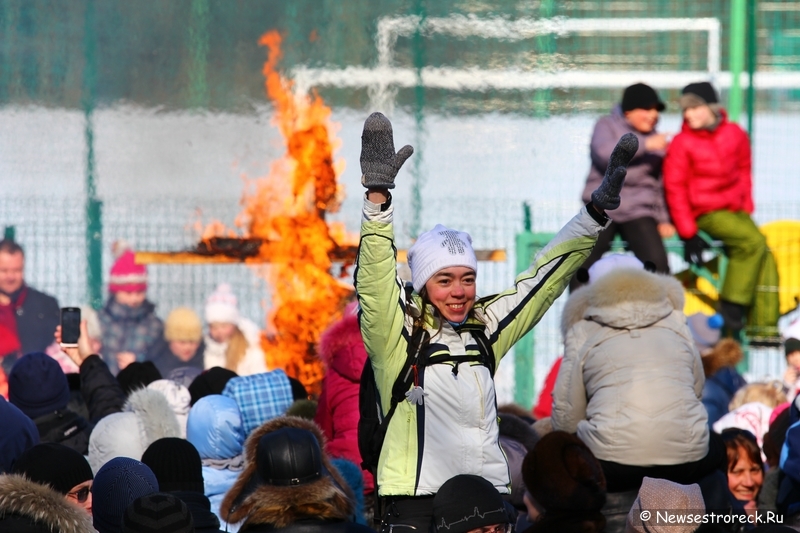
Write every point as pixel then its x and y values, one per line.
pixel 146 417
pixel 627 298
pixel 22 497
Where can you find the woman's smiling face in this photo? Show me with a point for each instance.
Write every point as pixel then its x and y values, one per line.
pixel 745 478
pixel 452 291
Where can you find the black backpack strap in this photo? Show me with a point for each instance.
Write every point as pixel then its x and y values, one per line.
pixel 405 379
pixel 486 349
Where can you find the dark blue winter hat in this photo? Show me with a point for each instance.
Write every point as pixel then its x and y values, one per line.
pixel 19 433
pixel 37 385
pixel 117 484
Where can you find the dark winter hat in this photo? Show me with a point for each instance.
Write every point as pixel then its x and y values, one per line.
pixel 289 456
pixel 55 465
pixel 157 513
pixel 212 381
pixel 695 94
pixel 137 376
pixel 19 433
pixel 562 474
pixel 117 484
pixel 466 502
pixel 641 96
pixel 37 385
pixel 791 345
pixel 176 465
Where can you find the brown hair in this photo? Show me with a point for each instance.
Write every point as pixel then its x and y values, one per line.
pixel 237 346
pixel 740 440
pixel 11 247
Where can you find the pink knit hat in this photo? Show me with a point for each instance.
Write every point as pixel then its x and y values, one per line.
pixel 126 275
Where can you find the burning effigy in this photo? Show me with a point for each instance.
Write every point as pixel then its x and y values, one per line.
pixel 282 228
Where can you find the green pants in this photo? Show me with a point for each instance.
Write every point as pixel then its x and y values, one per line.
pixel 751 279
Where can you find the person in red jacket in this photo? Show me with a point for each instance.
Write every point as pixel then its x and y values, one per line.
pixel 342 349
pixel 708 187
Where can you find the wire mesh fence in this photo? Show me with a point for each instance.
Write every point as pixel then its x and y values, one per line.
pixel 499 100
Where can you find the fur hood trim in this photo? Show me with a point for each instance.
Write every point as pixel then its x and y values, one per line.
pixel 145 418
pixel 153 410
pixel 328 498
pixel 626 298
pixel 22 497
pixel 342 347
pixel 727 352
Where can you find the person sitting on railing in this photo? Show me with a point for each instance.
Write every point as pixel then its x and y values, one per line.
pixel 708 185
pixel 641 219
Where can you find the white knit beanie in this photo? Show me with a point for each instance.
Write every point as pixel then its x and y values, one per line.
pixel 439 248
pixel 222 306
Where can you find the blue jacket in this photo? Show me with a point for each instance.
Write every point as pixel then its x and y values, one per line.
pixel 19 433
pixel 719 390
pixel 215 428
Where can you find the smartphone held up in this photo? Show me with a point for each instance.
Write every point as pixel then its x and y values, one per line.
pixel 70 326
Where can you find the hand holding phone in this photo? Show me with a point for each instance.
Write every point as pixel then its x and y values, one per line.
pixel 80 350
pixel 70 327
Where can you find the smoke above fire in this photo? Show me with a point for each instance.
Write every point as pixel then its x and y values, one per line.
pixel 286 210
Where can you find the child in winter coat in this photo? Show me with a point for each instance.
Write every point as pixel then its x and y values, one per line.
pixel 642 218
pixel 215 428
pixel 708 185
pixel 447 423
pixel 128 321
pixel 720 357
pixel 233 342
pixel 182 345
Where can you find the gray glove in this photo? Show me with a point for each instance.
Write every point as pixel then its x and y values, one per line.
pixel 606 196
pixel 379 163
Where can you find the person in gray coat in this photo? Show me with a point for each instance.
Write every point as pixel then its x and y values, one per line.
pixel 631 382
pixel 642 218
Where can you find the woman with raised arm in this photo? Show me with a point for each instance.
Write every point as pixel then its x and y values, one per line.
pixel 447 422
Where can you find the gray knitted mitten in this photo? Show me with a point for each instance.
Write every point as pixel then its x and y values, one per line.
pixel 379 163
pixel 606 196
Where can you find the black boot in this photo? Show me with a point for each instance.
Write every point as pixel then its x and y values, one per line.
pixel 732 316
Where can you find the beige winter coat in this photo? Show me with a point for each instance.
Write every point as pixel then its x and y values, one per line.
pixel 631 381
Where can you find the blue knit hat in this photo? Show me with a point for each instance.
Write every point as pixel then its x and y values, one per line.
pixel 37 385
pixel 19 433
pixel 117 484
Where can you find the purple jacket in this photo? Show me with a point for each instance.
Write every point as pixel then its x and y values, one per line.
pixel 643 194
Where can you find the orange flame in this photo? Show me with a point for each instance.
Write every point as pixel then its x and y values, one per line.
pixel 287 209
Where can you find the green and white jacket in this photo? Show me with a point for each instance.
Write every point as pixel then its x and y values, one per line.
pixel 455 429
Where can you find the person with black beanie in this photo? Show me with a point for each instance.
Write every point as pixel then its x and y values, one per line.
pixel 642 218
pixel 39 388
pixel 137 376
pixel 179 471
pixel 60 468
pixel 211 381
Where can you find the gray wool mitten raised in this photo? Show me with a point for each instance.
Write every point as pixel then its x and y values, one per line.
pixel 606 196
pixel 379 163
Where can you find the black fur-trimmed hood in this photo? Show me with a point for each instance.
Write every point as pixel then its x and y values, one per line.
pixel 22 498
pixel 327 498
